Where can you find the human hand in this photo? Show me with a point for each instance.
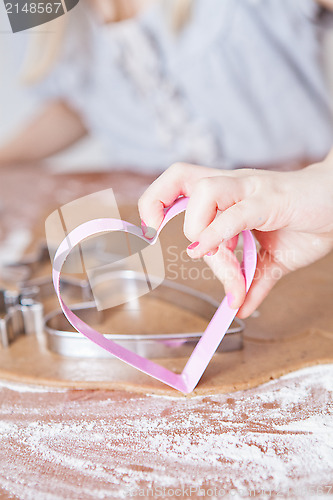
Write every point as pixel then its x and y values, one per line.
pixel 290 213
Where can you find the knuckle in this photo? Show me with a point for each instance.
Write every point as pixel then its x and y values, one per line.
pixel 253 184
pixel 142 202
pixel 265 184
pixel 205 185
pixel 178 167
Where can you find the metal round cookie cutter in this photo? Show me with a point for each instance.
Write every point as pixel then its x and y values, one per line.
pixel 62 340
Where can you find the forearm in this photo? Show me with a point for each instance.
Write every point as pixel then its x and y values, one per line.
pixel 328 4
pixel 51 131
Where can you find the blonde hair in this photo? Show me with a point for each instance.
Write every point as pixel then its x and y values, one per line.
pixel 45 47
pixel 43 51
pixel 179 13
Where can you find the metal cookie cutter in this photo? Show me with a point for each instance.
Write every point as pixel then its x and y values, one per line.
pixel 19 315
pixel 21 312
pixel 21 309
pixel 63 339
pixel 21 274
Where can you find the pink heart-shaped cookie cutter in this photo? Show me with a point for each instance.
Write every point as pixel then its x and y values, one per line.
pixel 211 338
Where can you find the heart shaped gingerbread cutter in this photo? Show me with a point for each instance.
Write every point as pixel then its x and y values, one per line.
pixel 211 338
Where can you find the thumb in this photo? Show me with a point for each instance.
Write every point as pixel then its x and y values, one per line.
pixel 268 273
pixel 226 268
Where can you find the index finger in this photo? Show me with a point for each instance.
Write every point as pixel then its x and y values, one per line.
pixel 177 180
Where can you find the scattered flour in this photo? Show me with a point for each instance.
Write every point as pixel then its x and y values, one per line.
pixel 97 444
pixel 17 387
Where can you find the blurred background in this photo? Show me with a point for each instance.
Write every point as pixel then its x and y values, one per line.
pixel 17 105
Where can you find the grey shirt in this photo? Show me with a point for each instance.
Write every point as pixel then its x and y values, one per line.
pixel 242 84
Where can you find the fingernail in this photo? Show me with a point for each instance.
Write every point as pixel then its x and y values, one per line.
pixel 192 246
pixel 143 228
pixel 148 232
pixel 230 299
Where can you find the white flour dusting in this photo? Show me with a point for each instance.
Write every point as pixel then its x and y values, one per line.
pixel 17 387
pixel 89 445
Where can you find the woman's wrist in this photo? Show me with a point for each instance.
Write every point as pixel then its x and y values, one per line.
pixel 321 171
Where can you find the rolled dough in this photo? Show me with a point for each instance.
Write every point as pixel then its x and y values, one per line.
pixel 292 329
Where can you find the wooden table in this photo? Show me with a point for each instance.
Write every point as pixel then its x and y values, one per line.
pixel 67 444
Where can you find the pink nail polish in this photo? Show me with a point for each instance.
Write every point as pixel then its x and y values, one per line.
pixel 192 246
pixel 143 228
